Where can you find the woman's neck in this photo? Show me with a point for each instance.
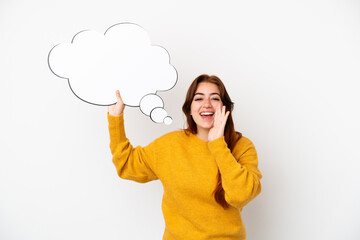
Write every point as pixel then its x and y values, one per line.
pixel 202 134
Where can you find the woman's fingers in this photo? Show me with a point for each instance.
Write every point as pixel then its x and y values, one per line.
pixel 220 113
pixel 221 116
pixel 223 111
pixel 227 115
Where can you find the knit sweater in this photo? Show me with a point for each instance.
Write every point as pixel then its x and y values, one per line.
pixel 187 167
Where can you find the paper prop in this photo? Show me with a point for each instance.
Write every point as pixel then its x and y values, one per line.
pixel 96 65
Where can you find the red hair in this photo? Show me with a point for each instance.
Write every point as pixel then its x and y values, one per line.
pixel 231 136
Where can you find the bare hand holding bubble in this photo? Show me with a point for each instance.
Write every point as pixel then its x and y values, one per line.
pixel 118 108
pixel 123 58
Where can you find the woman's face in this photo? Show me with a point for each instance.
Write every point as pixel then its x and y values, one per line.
pixel 204 104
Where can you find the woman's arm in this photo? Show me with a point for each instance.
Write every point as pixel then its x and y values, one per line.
pixel 135 164
pixel 239 170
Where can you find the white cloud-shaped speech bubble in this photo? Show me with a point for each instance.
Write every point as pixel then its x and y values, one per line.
pixel 96 65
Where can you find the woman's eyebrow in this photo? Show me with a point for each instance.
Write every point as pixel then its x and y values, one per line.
pixel 210 94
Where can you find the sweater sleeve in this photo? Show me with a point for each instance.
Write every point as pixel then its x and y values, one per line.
pixel 137 164
pixel 240 175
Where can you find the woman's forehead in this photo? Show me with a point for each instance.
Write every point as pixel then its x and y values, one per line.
pixel 207 88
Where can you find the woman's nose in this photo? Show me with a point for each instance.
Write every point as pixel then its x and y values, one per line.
pixel 207 103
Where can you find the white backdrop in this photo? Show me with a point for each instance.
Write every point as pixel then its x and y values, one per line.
pixel 291 67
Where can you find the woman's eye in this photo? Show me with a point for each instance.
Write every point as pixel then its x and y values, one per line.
pixel 197 99
pixel 216 99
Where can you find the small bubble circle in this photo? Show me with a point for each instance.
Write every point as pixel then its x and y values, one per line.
pixel 168 120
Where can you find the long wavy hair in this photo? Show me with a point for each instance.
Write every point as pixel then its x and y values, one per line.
pixel 231 136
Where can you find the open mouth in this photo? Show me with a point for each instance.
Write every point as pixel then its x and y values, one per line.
pixel 206 115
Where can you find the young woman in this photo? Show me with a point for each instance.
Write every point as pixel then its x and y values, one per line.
pixel 209 171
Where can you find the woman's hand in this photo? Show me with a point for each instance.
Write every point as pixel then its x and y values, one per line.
pixel 220 118
pixel 118 108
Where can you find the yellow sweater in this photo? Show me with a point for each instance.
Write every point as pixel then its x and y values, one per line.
pixel 187 168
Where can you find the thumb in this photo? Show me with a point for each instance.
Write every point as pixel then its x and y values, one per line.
pixel 119 99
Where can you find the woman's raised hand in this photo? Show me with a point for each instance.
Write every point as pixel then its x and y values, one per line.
pixel 220 118
pixel 118 108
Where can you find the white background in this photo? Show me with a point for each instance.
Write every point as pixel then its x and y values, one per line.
pixel 291 67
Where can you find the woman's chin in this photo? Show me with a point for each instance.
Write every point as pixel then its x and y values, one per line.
pixel 206 126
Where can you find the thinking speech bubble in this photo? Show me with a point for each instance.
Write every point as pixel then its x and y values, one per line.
pixel 96 65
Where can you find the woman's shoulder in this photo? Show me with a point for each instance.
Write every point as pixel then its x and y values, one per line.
pixel 243 145
pixel 244 140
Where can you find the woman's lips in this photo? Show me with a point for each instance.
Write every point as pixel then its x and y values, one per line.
pixel 207 115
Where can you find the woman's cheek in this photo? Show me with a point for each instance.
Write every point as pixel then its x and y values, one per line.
pixel 218 105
